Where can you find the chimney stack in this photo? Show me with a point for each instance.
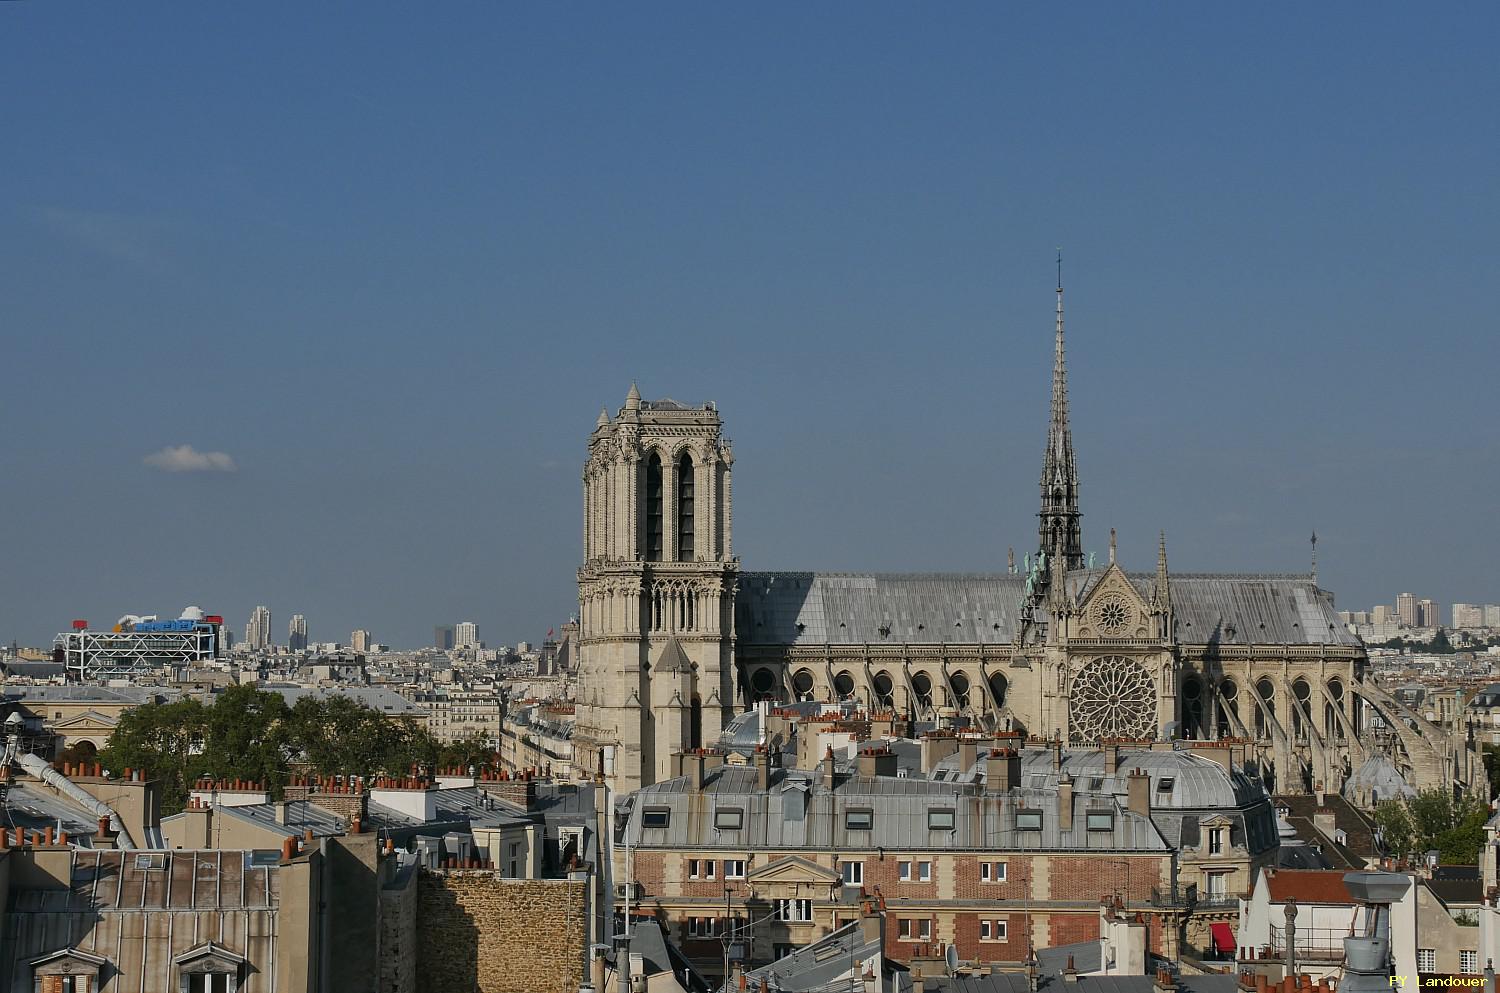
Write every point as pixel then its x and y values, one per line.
pixel 1325 822
pixel 968 754
pixel 828 768
pixel 1138 793
pixel 1065 802
pixel 1002 772
pixel 1111 757
pixel 935 748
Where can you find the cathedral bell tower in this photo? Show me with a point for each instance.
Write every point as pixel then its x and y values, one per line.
pixel 655 591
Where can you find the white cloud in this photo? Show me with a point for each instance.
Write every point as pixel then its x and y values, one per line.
pixel 186 458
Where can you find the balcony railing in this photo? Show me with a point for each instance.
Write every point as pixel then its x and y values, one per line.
pixel 1313 944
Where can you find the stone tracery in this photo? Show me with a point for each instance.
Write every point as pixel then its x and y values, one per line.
pixel 1113 697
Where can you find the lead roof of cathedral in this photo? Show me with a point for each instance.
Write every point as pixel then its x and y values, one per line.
pixel 816 608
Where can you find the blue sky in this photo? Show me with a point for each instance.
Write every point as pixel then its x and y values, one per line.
pixel 390 260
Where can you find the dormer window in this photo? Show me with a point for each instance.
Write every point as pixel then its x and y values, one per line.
pixel 1216 841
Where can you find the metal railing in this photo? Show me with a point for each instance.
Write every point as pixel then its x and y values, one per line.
pixel 1312 944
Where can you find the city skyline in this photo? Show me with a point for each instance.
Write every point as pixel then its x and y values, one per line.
pixel 1274 298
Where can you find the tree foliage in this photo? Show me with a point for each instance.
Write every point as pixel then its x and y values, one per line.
pixel 166 741
pixel 1433 819
pixel 251 734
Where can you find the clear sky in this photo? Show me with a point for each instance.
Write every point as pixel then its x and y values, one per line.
pixel 314 305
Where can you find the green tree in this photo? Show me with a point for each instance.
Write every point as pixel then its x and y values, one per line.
pixel 166 741
pixel 246 736
pixel 336 735
pixel 1433 819
pixel 474 750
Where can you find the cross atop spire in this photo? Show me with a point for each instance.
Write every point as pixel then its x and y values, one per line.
pixel 1061 536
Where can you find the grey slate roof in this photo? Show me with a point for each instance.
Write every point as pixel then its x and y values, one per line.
pixel 894 608
pixel 375 697
pixel 1015 982
pixel 1185 787
pixel 899 809
pixel 814 966
pixel 89 694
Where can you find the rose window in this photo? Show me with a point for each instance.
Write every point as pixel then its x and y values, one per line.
pixel 1112 615
pixel 1113 697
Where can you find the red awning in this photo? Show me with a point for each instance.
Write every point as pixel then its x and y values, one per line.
pixel 1223 938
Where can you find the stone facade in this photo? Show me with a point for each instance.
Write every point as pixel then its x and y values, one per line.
pixel 656 591
pixel 478 932
pixel 674 644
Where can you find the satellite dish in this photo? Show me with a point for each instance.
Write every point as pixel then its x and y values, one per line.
pixel 950 958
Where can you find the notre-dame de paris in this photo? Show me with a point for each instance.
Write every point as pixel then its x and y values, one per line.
pixel 676 639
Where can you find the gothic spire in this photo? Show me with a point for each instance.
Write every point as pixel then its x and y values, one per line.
pixel 1061 536
pixel 1163 583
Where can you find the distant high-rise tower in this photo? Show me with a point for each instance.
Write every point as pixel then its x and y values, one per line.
pixel 1468 615
pixel 656 591
pixel 258 631
pixel 1406 609
pixel 442 637
pixel 466 635
pixel 1429 615
pixel 297 633
pixel 360 640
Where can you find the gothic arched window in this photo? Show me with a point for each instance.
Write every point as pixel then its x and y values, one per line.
pixel 653 508
pixel 685 508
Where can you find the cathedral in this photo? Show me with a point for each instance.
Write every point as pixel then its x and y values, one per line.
pixel 675 639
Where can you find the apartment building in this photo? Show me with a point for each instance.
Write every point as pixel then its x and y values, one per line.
pixel 1010 854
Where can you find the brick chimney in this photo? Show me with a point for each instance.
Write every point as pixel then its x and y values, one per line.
pixel 1138 793
pixel 1002 770
pixel 968 754
pixel 762 768
pixel 1065 802
pixel 827 767
pixel 935 748
pixel 876 760
pixel 1111 757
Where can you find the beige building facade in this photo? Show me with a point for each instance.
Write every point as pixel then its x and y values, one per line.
pixel 656 590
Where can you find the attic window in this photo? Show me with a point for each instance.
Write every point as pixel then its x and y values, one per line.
pixel 728 818
pixel 940 819
pixel 859 819
pixel 1165 784
pixel 1101 820
pixel 656 817
pixel 151 861
pixel 1096 783
pixel 1028 820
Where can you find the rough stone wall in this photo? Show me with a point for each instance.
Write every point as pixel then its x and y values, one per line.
pixel 479 932
pixel 398 936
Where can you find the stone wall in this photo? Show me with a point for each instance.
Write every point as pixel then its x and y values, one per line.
pixel 479 932
pixel 399 947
